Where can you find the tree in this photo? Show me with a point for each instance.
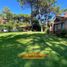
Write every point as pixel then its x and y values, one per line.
pixel 31 4
pixel 42 8
pixel 7 14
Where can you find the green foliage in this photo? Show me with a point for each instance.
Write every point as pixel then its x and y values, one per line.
pixel 64 33
pixel 13 21
pixel 35 21
pixel 1 27
pixel 7 14
pixel 36 26
pixel 42 7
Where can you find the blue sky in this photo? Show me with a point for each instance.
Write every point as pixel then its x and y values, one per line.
pixel 13 5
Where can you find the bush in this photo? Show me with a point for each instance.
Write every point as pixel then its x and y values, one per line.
pixel 20 29
pixel 63 33
pixel 36 26
pixel 1 28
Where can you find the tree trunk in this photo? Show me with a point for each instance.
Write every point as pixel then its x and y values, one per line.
pixel 31 17
pixel 41 28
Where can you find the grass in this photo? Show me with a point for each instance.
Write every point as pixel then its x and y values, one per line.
pixel 13 44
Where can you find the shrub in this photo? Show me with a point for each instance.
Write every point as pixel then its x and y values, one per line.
pixel 20 29
pixel 63 33
pixel 36 26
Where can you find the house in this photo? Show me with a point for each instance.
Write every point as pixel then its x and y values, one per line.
pixel 60 23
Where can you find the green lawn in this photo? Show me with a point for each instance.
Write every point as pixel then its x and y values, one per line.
pixel 13 44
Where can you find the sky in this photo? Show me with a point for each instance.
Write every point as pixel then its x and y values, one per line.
pixel 14 6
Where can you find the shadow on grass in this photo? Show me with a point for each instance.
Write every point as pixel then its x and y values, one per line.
pixel 12 45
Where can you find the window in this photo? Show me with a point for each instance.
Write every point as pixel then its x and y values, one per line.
pixel 59 26
pixel 56 27
pixel 62 26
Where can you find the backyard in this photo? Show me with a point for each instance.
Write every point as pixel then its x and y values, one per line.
pixel 13 44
